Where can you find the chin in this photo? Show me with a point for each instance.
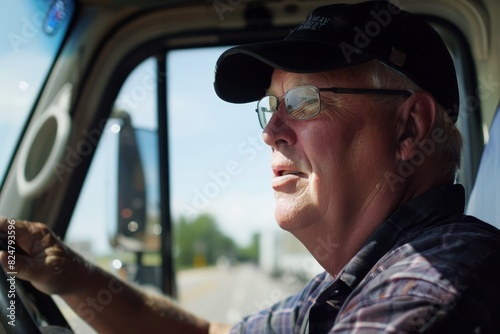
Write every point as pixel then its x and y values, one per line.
pixel 292 221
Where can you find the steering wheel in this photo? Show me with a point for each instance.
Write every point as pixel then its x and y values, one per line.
pixel 15 316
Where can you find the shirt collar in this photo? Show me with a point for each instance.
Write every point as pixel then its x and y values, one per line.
pixel 419 212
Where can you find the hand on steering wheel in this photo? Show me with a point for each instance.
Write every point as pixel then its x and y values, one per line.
pixel 31 252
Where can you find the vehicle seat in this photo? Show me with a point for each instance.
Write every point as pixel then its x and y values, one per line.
pixel 484 201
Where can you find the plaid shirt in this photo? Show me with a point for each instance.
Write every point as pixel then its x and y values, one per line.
pixel 427 269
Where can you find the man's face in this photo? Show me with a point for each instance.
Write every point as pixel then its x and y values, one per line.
pixel 328 168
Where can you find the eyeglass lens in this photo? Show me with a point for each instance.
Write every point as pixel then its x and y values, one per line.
pixel 301 102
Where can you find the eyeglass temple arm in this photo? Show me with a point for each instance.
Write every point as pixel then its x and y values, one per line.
pixel 338 90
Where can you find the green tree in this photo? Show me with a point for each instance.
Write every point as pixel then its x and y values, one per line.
pixel 200 241
pixel 251 251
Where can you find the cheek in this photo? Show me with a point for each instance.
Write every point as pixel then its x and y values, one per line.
pixel 328 158
pixel 341 151
pixel 374 149
pixel 330 147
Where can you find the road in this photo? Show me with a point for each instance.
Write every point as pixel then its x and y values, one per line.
pixel 221 293
pixel 227 294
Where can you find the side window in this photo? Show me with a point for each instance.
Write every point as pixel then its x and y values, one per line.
pixel 230 257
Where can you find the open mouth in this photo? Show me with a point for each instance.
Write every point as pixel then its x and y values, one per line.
pixel 286 172
pixel 290 173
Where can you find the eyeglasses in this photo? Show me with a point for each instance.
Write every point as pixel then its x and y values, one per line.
pixel 304 102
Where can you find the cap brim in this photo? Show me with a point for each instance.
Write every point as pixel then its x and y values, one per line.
pixel 244 72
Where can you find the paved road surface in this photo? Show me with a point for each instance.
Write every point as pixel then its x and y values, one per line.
pixel 228 294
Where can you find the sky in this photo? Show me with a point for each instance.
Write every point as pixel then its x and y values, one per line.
pixel 219 162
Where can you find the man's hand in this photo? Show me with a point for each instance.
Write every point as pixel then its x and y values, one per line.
pixel 48 264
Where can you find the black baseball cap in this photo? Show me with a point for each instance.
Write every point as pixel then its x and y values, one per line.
pixel 341 35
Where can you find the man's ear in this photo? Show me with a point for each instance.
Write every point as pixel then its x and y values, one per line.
pixel 416 119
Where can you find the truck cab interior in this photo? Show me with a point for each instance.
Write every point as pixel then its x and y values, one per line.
pixel 112 135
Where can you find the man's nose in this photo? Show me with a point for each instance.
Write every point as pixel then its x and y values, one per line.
pixel 279 130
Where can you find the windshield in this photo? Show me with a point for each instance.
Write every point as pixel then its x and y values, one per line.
pixel 32 34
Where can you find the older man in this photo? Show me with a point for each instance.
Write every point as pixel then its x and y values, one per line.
pixel 358 105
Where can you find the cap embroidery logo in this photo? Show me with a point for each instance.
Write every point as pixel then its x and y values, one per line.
pixel 314 23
